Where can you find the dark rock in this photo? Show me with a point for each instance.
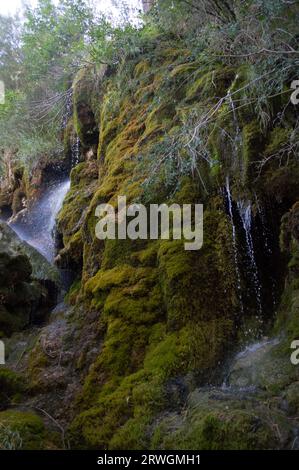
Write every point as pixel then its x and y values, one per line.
pixel 28 283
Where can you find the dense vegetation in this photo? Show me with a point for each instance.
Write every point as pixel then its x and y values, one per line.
pixel 192 105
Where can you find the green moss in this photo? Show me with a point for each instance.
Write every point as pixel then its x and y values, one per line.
pixel 153 303
pixel 72 215
pixel 210 83
pixel 38 361
pixel 277 138
pixel 18 293
pixel 132 435
pixel 141 68
pixel 21 430
pixel 73 292
pixel 226 430
pixel 69 139
pixel 170 354
pixel 148 256
pixel 139 353
pixel 292 397
pixel 84 97
pixel 11 384
pixel 281 182
pixel 288 317
pixel 158 120
pixel 252 146
pixel 120 275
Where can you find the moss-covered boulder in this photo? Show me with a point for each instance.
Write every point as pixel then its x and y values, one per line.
pixel 215 420
pixel 28 283
pixel 10 243
pixel 85 96
pixel 11 386
pixel 21 430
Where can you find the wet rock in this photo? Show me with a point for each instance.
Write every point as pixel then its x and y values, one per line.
pixel 292 398
pixel 249 366
pixel 10 243
pixel 28 283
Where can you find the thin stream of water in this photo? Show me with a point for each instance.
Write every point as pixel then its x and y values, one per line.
pixel 235 246
pixel 38 225
pixel 246 218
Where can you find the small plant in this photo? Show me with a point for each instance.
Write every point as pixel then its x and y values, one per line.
pixel 9 439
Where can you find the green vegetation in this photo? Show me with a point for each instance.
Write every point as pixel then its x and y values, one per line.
pixel 194 98
pixel 21 430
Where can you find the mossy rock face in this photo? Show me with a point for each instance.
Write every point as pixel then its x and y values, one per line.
pixel 73 213
pixel 236 416
pixel 216 426
pixel 166 319
pixel 267 367
pixel 154 300
pixel 85 98
pixel 11 385
pixel 152 331
pixel 21 431
pixel 205 84
pixel 288 315
pixel 292 398
pixel 17 295
pixel 28 283
pixel 41 269
pixel 18 200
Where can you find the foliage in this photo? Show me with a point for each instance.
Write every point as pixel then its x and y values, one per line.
pixel 39 60
pixel 54 38
pixel 21 430
pixel 112 44
pixel 10 52
pixel 9 438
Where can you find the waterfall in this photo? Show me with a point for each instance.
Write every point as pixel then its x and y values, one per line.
pixel 75 152
pixel 38 227
pixel 262 217
pixel 68 111
pixel 248 352
pixel 236 138
pixel 232 106
pixel 235 246
pixel 246 218
pixel 267 242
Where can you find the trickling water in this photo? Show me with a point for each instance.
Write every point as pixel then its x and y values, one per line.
pixel 248 352
pixel 262 217
pixel 233 108
pixel 68 108
pixel 246 217
pixel 76 152
pixel 251 348
pixel 267 244
pixel 237 139
pixel 38 226
pixel 235 247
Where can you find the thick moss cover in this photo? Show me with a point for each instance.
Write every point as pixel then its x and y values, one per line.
pixel 166 318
